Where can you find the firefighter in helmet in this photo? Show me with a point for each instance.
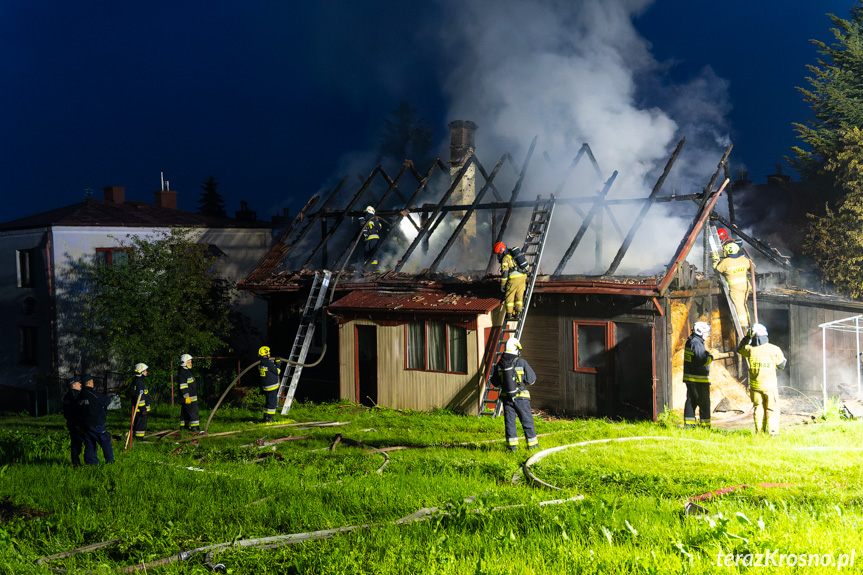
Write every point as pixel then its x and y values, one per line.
pixel 142 400
pixel 371 236
pixel 512 282
pixel 735 266
pixel 764 359
pixel 696 377
pixel 512 375
pixel 189 392
pixel 269 374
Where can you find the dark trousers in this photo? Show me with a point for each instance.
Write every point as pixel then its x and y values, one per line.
pixel 368 248
pixel 697 396
pixel 272 403
pixel 98 436
pixel 189 416
pixel 141 422
pixel 76 440
pixel 513 408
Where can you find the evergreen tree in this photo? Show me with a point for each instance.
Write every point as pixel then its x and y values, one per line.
pixel 406 136
pixel 211 203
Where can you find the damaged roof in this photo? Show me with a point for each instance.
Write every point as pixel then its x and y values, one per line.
pixel 414 301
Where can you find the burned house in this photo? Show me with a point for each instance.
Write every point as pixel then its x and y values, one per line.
pixel 606 319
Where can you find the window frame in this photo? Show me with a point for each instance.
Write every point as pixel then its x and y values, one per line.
pixel 25 272
pixel 448 368
pixel 109 254
pixel 28 347
pixel 607 343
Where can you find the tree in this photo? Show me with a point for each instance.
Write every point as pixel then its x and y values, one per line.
pixel 406 136
pixel 211 203
pixel 165 299
pixel 835 240
pixel 835 97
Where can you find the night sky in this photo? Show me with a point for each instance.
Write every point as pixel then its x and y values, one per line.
pixel 278 99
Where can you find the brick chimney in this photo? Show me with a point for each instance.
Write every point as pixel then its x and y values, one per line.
pixel 166 199
pixel 462 144
pixel 245 214
pixel 114 194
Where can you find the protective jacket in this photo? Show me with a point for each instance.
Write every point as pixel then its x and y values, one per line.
pixel 696 361
pixel 141 388
pixel 735 268
pixel 188 385
pixel 512 375
pixel 269 374
pixel 509 269
pixel 764 359
pixel 371 228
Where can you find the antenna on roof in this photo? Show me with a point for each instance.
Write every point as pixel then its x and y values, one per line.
pixel 88 193
pixel 162 174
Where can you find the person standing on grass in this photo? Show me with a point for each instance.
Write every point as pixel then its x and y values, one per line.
pixel 512 375
pixel 696 376
pixel 142 400
pixel 269 375
pixel 97 433
pixel 74 414
pixel 189 392
pixel 764 359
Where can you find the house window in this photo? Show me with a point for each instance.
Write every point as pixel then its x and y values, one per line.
pixel 25 268
pixel 113 256
pixel 436 346
pixel 590 346
pixel 28 344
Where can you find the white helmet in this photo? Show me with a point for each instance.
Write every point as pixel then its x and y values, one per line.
pixel 370 210
pixel 185 358
pixel 701 328
pixel 512 346
pixel 759 330
pixel 140 368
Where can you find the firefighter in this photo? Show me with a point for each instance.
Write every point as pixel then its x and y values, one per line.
pixel 189 392
pixel 764 359
pixel 269 383
pixel 735 267
pixel 696 376
pixel 74 415
pixel 96 405
pixel 371 236
pixel 512 376
pixel 512 281
pixel 142 400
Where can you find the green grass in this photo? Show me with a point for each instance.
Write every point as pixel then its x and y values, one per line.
pixel 630 521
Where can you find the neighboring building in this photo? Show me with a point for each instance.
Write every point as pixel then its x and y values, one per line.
pixel 39 251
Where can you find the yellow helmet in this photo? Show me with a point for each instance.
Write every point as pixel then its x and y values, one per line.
pixel 264 351
pixel 731 248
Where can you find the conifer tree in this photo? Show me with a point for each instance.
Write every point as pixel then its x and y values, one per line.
pixel 211 203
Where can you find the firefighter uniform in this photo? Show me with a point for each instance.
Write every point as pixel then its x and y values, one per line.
pixel 142 397
pixel 696 377
pixel 764 359
pixel 512 375
pixel 269 374
pixel 736 268
pixel 189 400
pixel 96 406
pixel 371 237
pixel 512 283
pixel 75 416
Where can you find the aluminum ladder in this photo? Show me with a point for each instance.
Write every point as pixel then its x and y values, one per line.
pixel 534 243
pixel 303 340
pixel 716 248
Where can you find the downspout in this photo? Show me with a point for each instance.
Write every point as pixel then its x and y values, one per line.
pixel 49 275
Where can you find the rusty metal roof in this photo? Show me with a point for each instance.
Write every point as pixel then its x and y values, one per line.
pixel 414 301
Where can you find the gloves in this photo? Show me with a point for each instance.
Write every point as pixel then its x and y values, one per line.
pixel 503 288
pixel 188 400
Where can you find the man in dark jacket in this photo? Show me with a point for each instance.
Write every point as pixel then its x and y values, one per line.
pixel 189 395
pixel 512 375
pixel 696 376
pixel 269 375
pixel 74 415
pixel 142 400
pixel 97 434
pixel 371 236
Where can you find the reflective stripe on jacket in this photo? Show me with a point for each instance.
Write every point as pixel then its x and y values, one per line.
pixel 511 375
pixel 696 361
pixel 764 360
pixel 508 269
pixel 188 386
pixel 269 374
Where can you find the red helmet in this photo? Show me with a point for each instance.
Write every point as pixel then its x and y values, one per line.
pixel 499 248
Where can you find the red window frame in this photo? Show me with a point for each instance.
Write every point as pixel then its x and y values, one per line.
pixel 109 254
pixel 607 342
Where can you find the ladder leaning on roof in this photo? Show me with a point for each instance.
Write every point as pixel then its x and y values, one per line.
pixel 716 248
pixel 534 242
pixel 303 340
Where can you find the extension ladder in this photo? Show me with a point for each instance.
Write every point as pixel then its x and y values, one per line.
pixel 716 248
pixel 303 340
pixel 534 243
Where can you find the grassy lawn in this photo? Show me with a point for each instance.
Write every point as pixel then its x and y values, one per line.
pixel 454 501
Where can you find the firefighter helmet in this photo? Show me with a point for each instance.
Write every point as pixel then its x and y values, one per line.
pixel 701 328
pixel 140 368
pixel 264 351
pixel 499 248
pixel 759 330
pixel 184 359
pixel 731 248
pixel 370 210
pixel 512 346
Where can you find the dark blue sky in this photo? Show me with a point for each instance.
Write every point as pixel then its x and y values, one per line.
pixel 275 99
